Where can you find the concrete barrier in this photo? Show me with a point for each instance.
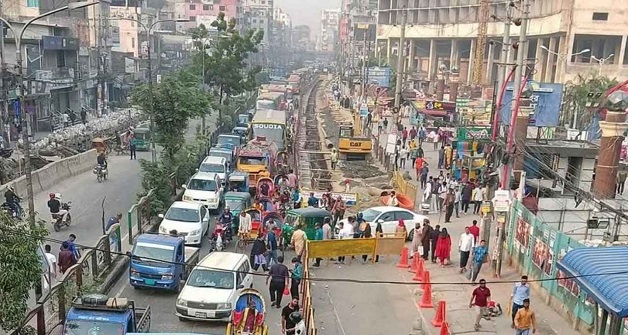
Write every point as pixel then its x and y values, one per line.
pixel 54 173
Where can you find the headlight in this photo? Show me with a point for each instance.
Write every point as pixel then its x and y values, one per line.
pixel 212 200
pixel 182 302
pixel 166 276
pixel 186 198
pixel 134 273
pixel 195 232
pixel 224 306
pixel 163 229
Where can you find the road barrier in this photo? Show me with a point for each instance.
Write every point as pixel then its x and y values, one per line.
pixel 95 264
pixel 306 300
pixel 139 216
pixel 379 245
pixel 405 187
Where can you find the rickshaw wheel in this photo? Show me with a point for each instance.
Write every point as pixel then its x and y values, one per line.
pixel 241 245
pixel 229 330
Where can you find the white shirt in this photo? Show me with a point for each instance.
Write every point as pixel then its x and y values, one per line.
pixel 393 201
pixel 245 224
pixel 478 194
pixel 427 192
pixel 347 231
pixel 467 242
pixel 52 262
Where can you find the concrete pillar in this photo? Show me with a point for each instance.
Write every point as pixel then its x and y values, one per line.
pixel 490 59
pixel 541 55
pixel 471 69
pixel 549 67
pixel 411 66
pixel 608 156
pixel 433 64
pixel 388 51
pixel 454 57
pixel 561 64
pixel 622 52
pixel 440 88
pixel 521 133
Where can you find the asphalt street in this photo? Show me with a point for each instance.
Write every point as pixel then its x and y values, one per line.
pixel 162 303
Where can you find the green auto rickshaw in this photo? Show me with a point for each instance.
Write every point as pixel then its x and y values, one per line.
pixel 237 202
pixel 142 139
pixel 307 218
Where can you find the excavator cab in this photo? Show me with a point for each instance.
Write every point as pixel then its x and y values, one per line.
pixel 351 146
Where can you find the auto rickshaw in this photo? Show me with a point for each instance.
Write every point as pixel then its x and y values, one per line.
pixel 142 139
pixel 239 181
pixel 100 145
pixel 237 201
pixel 307 218
pixel 248 315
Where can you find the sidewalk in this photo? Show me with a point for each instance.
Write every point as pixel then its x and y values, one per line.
pixel 460 317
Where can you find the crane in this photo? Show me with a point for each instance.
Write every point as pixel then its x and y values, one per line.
pixel 478 57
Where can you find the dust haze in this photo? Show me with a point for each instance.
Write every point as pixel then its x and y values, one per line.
pixel 307 12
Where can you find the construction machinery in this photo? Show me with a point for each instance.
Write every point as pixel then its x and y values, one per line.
pixel 352 146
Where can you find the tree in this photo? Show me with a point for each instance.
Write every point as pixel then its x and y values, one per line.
pixel 21 267
pixel 577 96
pixel 225 66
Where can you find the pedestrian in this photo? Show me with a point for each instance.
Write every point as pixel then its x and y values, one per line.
pixel 443 247
pixel 525 319
pixel 400 230
pixel 457 197
pixel 427 192
pixel 334 159
pixel 404 135
pixel 424 172
pixel 346 232
pixel 338 209
pixel 442 195
pixel 319 236
pixel 621 181
pixel 441 157
pixel 52 266
pixel 133 147
pixel 420 151
pixel 298 241
pixel 379 231
pixel 419 162
pixel 271 240
pixel 287 325
pixel 436 140
pixel 414 154
pixel 416 240
pixel 480 298
pixel 465 246
pixel 466 196
pixel 433 242
pixel 479 256
pixel 369 119
pixel 72 247
pixel 296 275
pixel 422 135
pixel 412 133
pixel 450 199
pixel 66 258
pixel 435 203
pixel 278 275
pixel 258 253
pixel 520 292
pixel 385 124
pixel 475 230
pixel 426 232
pixel 403 155
pixel 392 200
pixel 83 116
pixel 365 228
pixel 478 198
pixel 380 127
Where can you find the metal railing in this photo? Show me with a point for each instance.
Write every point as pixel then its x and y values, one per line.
pixel 308 307
pixel 140 216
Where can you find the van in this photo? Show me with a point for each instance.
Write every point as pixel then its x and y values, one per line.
pixel 215 164
pixel 213 287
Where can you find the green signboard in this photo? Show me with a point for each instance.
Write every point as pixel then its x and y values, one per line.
pixel 476 133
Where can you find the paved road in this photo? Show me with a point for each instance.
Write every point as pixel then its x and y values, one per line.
pixel 162 304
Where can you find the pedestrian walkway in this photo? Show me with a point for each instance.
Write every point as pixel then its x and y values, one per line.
pixel 447 280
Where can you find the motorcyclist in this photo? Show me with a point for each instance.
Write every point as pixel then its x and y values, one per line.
pixel 55 207
pixel 12 200
pixel 101 160
pixel 226 219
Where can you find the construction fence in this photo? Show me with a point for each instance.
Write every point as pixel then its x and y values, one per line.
pixel 405 187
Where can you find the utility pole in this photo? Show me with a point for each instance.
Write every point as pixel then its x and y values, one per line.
pixel 400 64
pixel 4 89
pixel 510 143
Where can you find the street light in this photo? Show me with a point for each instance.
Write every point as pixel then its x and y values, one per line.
pixel 21 95
pixel 148 30
pixel 564 56
pixel 601 62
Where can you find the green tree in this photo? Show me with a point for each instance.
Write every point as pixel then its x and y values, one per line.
pixel 577 96
pixel 21 267
pixel 223 55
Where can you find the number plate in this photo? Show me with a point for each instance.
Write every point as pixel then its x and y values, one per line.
pixel 201 315
pixel 150 281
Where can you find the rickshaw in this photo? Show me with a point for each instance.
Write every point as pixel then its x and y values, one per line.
pixel 239 181
pixel 268 182
pixel 100 145
pixel 257 228
pixel 142 139
pixel 277 219
pixel 248 315
pixel 281 163
pixel 267 204
pixel 307 218
pixel 237 201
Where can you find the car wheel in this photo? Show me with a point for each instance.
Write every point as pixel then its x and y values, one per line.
pixel 409 237
pixel 183 319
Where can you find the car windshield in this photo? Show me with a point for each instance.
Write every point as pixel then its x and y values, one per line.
pixel 153 252
pixel 370 214
pixel 85 327
pixel 182 214
pixel 203 184
pixel 234 204
pixel 211 278
pixel 234 140
pixel 221 154
pixel 252 160
pixel 212 168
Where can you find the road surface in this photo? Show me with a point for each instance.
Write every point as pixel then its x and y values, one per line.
pixel 162 304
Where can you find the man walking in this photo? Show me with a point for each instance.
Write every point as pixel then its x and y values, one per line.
pixel 465 246
pixel 271 240
pixel 425 238
pixel 479 255
pixel 520 293
pixel 525 319
pixel 320 235
pixel 480 298
pixel 475 230
pixel 433 240
pixel 278 276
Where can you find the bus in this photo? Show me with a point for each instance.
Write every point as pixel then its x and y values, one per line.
pixel 269 100
pixel 272 125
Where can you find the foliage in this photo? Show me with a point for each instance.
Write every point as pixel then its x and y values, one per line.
pixel 156 176
pixel 21 267
pixel 576 95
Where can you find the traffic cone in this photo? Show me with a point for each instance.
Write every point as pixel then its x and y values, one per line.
pixel 418 275
pixel 426 299
pixel 440 317
pixel 403 261
pixel 444 330
pixel 426 279
pixel 413 264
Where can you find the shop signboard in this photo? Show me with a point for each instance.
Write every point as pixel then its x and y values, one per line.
pixel 379 76
pixel 546 100
pixel 478 133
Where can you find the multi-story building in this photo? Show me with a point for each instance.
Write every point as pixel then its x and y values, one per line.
pixel 280 35
pixel 258 15
pixel 301 38
pixel 445 31
pixel 205 11
pixel 330 19
pixel 356 34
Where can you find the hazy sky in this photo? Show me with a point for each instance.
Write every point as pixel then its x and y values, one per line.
pixel 307 12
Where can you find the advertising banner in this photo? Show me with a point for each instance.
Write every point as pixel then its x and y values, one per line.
pixel 546 101
pixel 379 76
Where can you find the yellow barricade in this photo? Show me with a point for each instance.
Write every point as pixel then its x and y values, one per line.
pixel 357 246
pixel 405 187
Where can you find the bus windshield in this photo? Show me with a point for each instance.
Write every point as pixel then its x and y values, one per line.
pixel 266 104
pixel 272 132
pixel 252 160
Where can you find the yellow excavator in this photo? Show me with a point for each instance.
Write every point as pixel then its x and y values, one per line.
pixel 352 146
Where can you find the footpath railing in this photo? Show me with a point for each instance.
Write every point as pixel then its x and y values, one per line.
pixel 93 266
pixel 139 216
pixel 308 307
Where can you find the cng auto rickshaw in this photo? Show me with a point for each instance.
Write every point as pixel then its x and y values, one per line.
pixel 238 181
pixel 237 202
pixel 142 139
pixel 307 218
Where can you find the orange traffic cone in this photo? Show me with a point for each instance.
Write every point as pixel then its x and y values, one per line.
pixel 426 279
pixel 403 261
pixel 418 275
pixel 426 299
pixel 413 263
pixel 440 317
pixel 444 330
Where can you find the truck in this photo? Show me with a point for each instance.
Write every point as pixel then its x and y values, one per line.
pixel 161 262
pixel 98 314
pixel 351 146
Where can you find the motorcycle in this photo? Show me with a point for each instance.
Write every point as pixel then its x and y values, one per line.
pixel 101 173
pixel 15 212
pixel 219 239
pixel 57 219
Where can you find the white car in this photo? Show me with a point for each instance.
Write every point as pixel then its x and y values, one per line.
pixel 389 218
pixel 215 164
pixel 204 188
pixel 189 219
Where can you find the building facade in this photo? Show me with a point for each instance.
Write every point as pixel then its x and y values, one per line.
pixel 330 20
pixel 444 32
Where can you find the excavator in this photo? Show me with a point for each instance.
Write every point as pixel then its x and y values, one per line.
pixel 351 146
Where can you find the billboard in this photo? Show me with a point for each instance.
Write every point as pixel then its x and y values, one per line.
pixel 546 100
pixel 379 76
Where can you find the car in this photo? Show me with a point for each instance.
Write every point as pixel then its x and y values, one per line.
pixel 389 217
pixel 189 219
pixel 206 189
pixel 216 163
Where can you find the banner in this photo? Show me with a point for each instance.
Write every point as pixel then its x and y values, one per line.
pixel 546 102
pixel 379 76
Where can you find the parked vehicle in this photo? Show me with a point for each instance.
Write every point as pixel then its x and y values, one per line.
pixel 215 164
pixel 161 262
pixel 223 153
pixel 204 188
pixel 142 138
pixel 107 315
pixel 389 218
pixel 190 220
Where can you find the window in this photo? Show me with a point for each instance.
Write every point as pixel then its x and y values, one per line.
pixel 222 8
pixel 261 21
pixel 600 16
pixel 254 20
pixel 206 7
pixel 192 18
pixel 133 42
pixel 403 216
pixel 192 7
pixel 32 3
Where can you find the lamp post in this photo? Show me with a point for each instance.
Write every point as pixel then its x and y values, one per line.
pixel 601 62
